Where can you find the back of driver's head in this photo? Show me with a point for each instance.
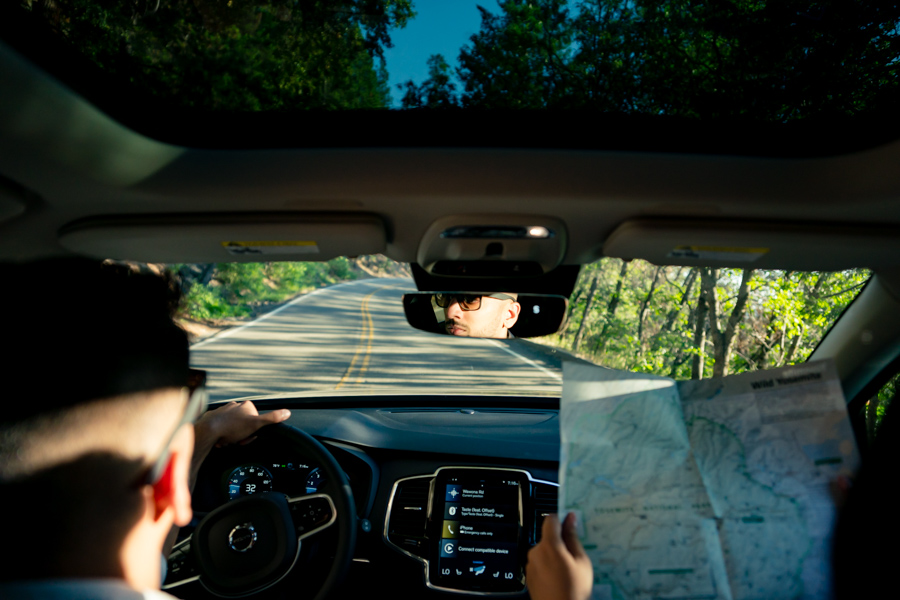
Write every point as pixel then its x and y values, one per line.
pixel 79 330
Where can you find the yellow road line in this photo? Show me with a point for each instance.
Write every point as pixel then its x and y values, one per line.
pixel 368 316
pixel 365 341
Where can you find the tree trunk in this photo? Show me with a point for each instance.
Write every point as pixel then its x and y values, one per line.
pixel 680 355
pixel 708 278
pixel 643 312
pixel 758 359
pixel 573 303
pixel 611 307
pixel 792 348
pixel 699 360
pixel 576 343
pixel 688 286
pixel 673 371
pixel 723 340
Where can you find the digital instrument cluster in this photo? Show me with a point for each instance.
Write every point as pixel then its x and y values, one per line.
pixel 290 478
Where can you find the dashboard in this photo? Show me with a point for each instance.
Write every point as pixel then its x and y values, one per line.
pixel 450 493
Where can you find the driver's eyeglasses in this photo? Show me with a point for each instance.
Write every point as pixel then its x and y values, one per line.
pixel 466 302
pixel 197 402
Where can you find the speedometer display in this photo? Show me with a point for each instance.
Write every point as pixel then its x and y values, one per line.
pixel 289 478
pixel 247 480
pixel 314 481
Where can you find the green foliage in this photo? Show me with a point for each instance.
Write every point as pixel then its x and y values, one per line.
pixel 239 54
pixel 647 318
pixel 518 58
pixel 885 395
pixel 239 290
pixel 748 58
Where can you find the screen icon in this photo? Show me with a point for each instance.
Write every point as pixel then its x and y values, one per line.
pixel 451 529
pixel 448 548
pixel 453 492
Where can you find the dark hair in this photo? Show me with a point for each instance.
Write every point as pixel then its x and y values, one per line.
pixel 80 329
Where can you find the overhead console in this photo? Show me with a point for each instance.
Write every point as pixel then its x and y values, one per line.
pixel 470 527
pixel 493 246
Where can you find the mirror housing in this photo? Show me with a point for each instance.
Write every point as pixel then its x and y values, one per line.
pixel 537 314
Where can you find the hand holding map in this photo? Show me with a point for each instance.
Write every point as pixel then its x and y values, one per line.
pixel 716 488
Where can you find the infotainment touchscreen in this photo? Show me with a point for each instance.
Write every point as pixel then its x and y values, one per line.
pixel 477 516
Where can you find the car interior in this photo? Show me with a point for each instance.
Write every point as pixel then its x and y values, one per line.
pixel 510 201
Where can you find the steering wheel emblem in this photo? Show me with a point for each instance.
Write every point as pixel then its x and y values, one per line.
pixel 242 537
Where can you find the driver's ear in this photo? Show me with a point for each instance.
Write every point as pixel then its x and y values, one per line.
pixel 512 314
pixel 172 491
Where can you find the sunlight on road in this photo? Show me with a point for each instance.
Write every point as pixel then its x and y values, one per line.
pixel 353 338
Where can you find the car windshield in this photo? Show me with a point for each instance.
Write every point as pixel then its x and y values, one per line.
pixel 338 327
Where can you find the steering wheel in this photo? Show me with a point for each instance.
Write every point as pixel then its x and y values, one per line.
pixel 248 545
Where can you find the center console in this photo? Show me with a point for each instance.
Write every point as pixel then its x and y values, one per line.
pixel 471 527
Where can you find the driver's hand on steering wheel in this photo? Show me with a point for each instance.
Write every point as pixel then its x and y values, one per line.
pixel 235 423
pixel 232 423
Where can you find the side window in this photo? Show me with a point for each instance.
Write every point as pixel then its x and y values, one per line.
pixel 700 322
pixel 873 409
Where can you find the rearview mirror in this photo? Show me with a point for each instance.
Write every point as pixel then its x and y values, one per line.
pixel 485 314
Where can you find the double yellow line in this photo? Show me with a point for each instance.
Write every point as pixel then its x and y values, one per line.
pixel 364 349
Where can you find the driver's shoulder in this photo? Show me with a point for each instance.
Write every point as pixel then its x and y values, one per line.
pixel 76 589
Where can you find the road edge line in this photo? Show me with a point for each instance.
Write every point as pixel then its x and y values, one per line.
pixel 503 347
pixel 234 330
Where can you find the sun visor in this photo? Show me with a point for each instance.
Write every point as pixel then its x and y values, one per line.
pixel 755 245
pixel 227 238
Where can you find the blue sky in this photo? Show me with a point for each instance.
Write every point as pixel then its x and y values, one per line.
pixel 441 27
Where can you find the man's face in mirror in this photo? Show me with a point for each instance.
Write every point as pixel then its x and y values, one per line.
pixel 488 316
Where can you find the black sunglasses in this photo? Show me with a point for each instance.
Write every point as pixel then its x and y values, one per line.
pixel 466 302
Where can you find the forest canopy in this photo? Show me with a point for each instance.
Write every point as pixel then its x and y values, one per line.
pixel 769 61
pixel 749 59
pixel 238 55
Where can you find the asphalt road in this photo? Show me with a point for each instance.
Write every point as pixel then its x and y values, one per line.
pixel 353 338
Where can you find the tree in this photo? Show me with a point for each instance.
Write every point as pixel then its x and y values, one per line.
pixel 518 59
pixel 239 55
pixel 668 320
pixel 723 336
pixel 760 61
pixel 438 91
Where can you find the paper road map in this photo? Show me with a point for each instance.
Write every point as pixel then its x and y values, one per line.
pixel 705 489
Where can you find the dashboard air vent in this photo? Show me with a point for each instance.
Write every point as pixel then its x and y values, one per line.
pixel 545 503
pixel 409 515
